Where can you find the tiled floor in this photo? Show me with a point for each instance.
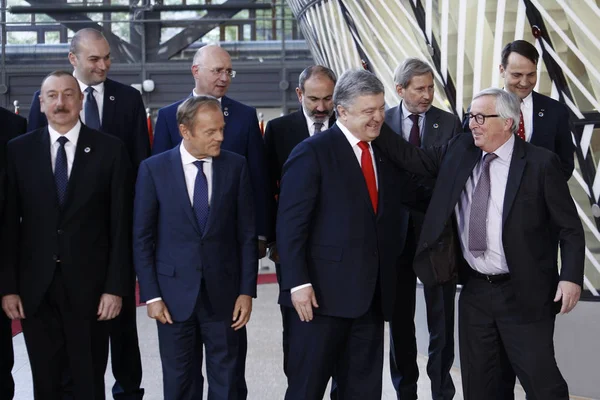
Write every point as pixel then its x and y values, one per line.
pixel 264 374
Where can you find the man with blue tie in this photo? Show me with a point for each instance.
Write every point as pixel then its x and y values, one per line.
pixel 195 254
pixel 66 243
pixel 118 110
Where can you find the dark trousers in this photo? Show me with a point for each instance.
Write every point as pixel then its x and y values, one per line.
pixel 7 385
pixel 353 348
pixel 57 338
pixel 125 356
pixel 490 319
pixel 180 346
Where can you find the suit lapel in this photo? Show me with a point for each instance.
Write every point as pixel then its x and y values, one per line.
pixel 380 179
pixel 109 105
pixel 465 169
pixel 299 128
pixel 83 152
pixel 181 187
pixel 220 175
pixel 396 119
pixel 538 128
pixel 432 125
pixel 515 173
pixel 41 156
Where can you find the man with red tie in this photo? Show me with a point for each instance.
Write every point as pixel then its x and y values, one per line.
pixel 339 232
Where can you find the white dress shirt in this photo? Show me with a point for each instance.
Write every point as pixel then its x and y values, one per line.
pixel 70 146
pixel 353 140
pixel 98 95
pixel 196 94
pixel 493 260
pixel 190 171
pixel 407 123
pixel 311 124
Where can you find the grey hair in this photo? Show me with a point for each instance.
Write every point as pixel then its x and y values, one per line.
pixel 186 112
pixel 508 104
pixel 85 33
pixel 354 83
pixel 410 68
pixel 315 70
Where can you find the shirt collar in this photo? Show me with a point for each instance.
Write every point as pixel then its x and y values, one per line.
pixel 187 158
pixel 349 136
pixel 98 88
pixel 527 102
pixel 194 93
pixel 505 151
pixel 406 113
pixel 72 135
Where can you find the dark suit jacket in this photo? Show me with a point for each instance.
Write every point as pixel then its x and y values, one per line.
pixel 550 130
pixel 91 235
pixel 327 232
pixel 13 125
pixel 123 116
pixel 171 256
pixel 242 136
pixel 537 197
pixel 281 136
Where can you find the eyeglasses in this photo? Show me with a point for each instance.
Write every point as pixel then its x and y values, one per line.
pixel 219 71
pixel 480 118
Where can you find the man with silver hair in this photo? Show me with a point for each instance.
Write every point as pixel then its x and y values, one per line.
pixel 339 235
pixel 422 124
pixel 491 219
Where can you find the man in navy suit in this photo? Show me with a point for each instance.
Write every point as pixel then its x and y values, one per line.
pixel 12 126
pixel 340 232
pixel 118 110
pixel 195 253
pixel 433 127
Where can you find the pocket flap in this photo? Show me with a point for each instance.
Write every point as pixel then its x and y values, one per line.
pixel 165 269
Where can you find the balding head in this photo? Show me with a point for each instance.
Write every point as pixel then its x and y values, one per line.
pixel 212 71
pixel 90 56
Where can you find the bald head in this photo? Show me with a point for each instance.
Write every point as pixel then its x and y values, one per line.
pixel 211 71
pixel 90 56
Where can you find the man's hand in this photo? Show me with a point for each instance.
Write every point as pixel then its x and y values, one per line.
pixel 262 248
pixel 241 311
pixel 13 307
pixel 273 253
pixel 304 300
pixel 158 310
pixel 569 292
pixel 109 307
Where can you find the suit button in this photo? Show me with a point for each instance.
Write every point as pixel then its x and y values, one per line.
pixel 375 253
pixel 60 231
pixel 55 257
pixel 425 245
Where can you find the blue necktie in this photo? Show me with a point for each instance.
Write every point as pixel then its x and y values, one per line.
pixel 61 174
pixel 201 207
pixel 92 118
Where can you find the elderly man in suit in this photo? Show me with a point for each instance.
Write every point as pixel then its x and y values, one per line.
pixel 195 253
pixel 315 94
pixel 424 125
pixel 66 242
pixel 12 126
pixel 339 235
pixel 496 202
pixel 118 110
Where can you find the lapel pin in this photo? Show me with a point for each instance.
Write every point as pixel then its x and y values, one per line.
pixel 226 112
pixel 436 125
pixel 541 114
pixel 87 150
pixel 112 98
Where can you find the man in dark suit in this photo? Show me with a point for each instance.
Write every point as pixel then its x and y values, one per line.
pixel 195 253
pixel 12 126
pixel 492 213
pixel 118 110
pixel 434 127
pixel 543 121
pixel 66 242
pixel 339 235
pixel 315 94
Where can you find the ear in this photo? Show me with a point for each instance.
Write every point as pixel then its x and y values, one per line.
pixel 73 59
pixel 341 112
pixel 299 94
pixel 399 90
pixel 502 71
pixel 42 104
pixel 183 131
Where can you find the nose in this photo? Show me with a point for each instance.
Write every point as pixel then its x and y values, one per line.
pixel 220 136
pixel 379 115
pixel 428 94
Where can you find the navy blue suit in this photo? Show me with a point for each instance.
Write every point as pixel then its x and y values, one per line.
pixel 328 235
pixel 242 136
pixel 123 116
pixel 199 275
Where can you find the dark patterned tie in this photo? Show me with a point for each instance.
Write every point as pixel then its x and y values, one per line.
pixel 318 127
pixel 61 172
pixel 479 209
pixel 415 134
pixel 200 206
pixel 92 117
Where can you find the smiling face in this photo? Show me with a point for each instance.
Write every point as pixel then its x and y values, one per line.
pixel 520 75
pixel 364 116
pixel 61 100
pixel 92 60
pixel 317 97
pixel 210 71
pixel 495 131
pixel 417 96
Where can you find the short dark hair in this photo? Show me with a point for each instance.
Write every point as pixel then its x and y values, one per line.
pixel 521 47
pixel 91 33
pixel 315 70
pixel 186 112
pixel 58 74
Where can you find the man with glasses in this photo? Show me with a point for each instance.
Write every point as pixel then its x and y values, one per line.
pixel 212 72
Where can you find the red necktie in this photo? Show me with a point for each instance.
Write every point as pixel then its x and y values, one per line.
pixel 521 130
pixel 366 163
pixel 415 136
